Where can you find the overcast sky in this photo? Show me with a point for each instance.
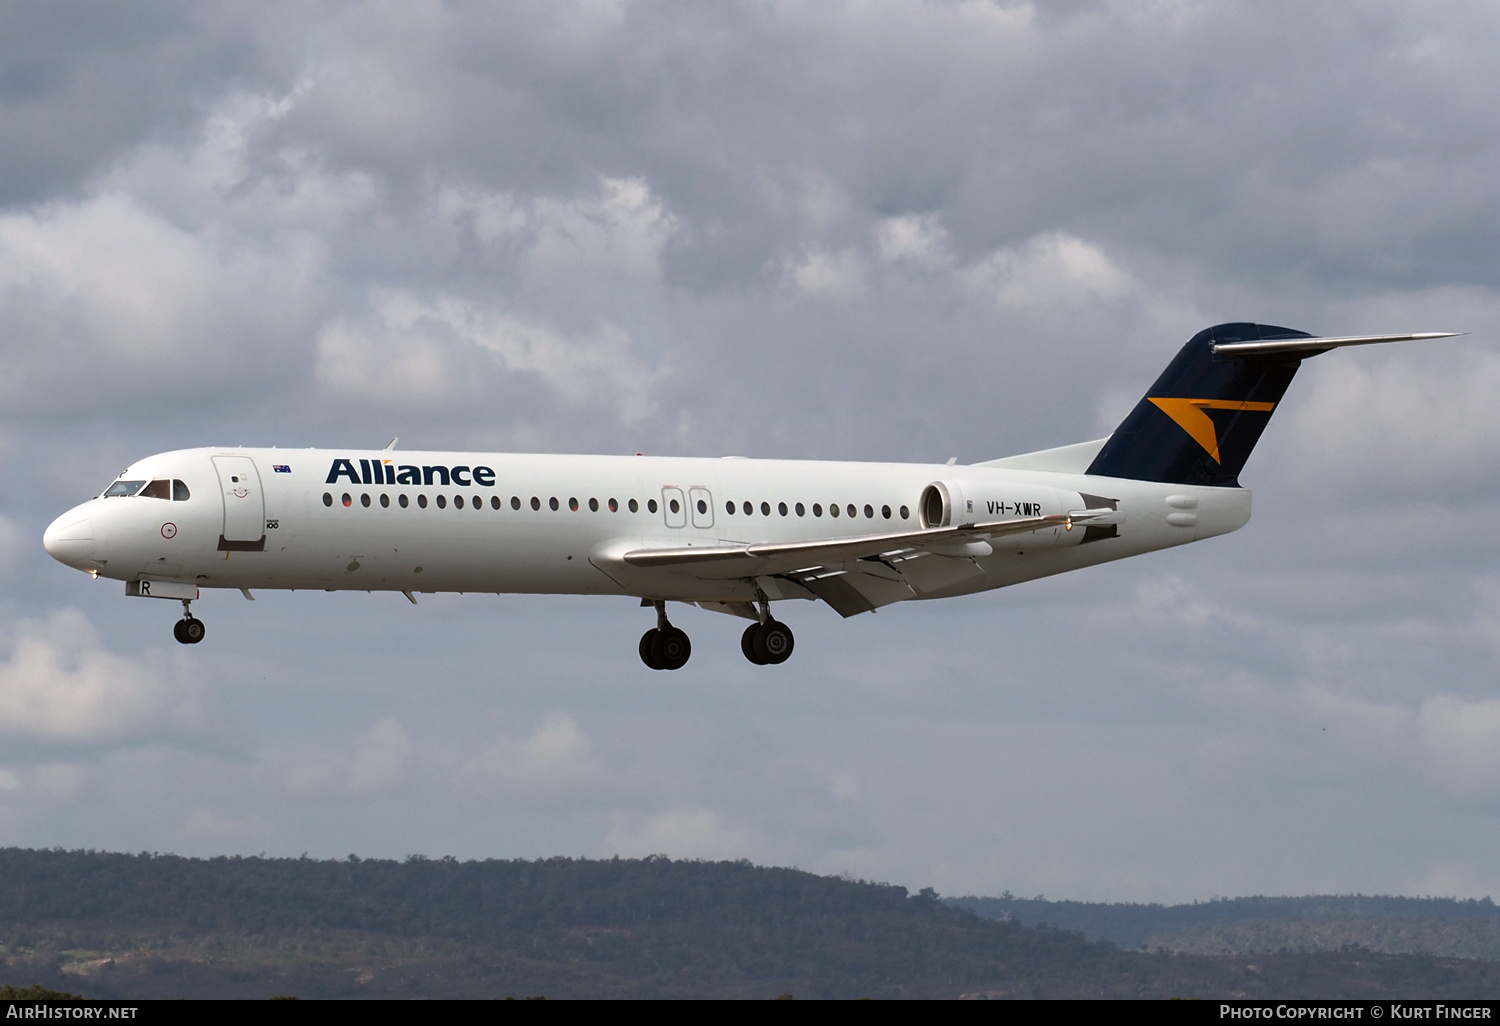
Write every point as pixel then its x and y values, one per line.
pixel 803 230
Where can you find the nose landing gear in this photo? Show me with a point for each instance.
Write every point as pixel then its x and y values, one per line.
pixel 189 630
pixel 665 647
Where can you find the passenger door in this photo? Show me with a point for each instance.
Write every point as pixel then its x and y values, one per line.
pixel 702 504
pixel 244 505
pixel 674 507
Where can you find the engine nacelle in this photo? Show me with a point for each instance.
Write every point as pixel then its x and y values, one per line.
pixel 959 503
pixel 943 505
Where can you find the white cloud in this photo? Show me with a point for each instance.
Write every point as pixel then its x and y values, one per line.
pixel 59 684
pixel 382 758
pixel 838 277
pixel 1047 270
pixel 918 239
pixel 683 834
pixel 555 767
pixel 413 353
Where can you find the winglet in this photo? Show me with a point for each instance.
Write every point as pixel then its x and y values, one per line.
pixel 391 444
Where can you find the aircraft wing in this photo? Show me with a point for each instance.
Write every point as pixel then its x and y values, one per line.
pixel 856 574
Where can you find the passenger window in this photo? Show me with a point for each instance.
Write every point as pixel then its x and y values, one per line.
pixel 593 505
pixel 676 506
pixel 650 505
pixel 905 513
pixel 422 501
pixel 702 506
pixel 157 490
pixel 327 499
pixel 852 511
pixel 749 509
pixel 634 506
pixel 458 502
pixel 536 503
pixel 817 509
pixel 347 501
pixel 885 511
pixel 478 502
pixel 364 500
pixel 765 509
pixel 729 508
pixel 385 501
pixel 869 513
pixel 442 501
pixel 833 509
pixel 801 510
pixel 614 507
pixel 781 508
pixel 515 502
pixel 552 502
pixel 402 500
pixel 180 492
pixel 494 502
pixel 573 505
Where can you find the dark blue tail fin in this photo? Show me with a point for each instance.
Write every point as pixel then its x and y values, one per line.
pixel 1205 413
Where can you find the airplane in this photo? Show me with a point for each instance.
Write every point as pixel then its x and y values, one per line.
pixel 729 534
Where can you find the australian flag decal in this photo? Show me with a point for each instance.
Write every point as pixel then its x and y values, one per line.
pixel 281 468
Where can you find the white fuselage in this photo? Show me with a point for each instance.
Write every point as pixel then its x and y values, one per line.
pixel 492 522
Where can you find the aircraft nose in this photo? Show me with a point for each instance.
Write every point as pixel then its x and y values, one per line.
pixel 70 539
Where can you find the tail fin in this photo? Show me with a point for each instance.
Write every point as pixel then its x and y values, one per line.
pixel 1205 413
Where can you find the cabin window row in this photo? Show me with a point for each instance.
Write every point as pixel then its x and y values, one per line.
pixel 834 510
pixel 613 505
pixel 477 502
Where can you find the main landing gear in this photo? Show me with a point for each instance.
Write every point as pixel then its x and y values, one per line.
pixel 769 642
pixel 189 630
pixel 665 647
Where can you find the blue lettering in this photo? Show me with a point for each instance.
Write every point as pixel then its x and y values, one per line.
pixel 364 471
pixel 458 477
pixel 409 475
pixel 484 476
pixel 428 472
pixel 343 468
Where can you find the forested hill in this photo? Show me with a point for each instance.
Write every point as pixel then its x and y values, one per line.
pixel 112 925
pixel 1434 926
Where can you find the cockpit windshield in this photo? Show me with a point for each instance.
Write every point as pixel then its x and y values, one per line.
pixel 123 488
pixel 163 488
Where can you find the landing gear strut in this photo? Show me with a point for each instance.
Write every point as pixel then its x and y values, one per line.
pixel 665 647
pixel 189 630
pixel 768 642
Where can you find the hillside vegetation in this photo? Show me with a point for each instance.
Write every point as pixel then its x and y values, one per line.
pixel 113 925
pixel 1243 926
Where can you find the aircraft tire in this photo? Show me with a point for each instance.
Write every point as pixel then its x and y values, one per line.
pixel 773 642
pixel 648 649
pixel 179 634
pixel 192 630
pixel 747 644
pixel 672 649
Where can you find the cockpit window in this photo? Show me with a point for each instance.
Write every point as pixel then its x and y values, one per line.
pixel 123 488
pixel 157 490
pixel 180 491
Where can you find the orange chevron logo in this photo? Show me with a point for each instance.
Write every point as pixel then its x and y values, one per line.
pixel 1188 415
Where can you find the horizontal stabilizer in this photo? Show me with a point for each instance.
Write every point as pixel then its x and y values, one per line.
pixel 1314 346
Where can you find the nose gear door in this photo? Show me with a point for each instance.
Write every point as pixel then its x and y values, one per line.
pixel 244 505
pixel 703 507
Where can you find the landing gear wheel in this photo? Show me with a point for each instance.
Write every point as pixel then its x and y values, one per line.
pixel 671 648
pixel 773 642
pixel 649 648
pixel 189 630
pixel 747 644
